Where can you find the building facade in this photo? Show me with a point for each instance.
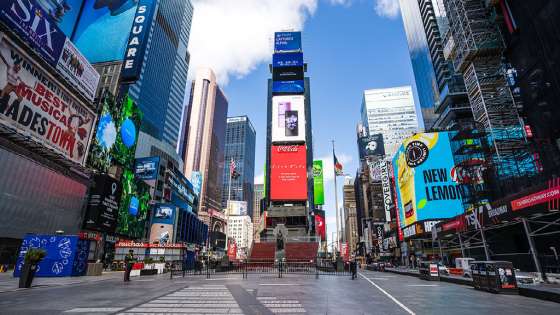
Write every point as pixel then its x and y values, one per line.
pixel 206 139
pixel 240 228
pixel 350 219
pixel 240 146
pixel 257 197
pixel 390 112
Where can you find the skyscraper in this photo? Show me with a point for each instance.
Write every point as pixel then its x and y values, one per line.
pixel 240 146
pixel 390 112
pixel 258 195
pixel 206 139
pixel 184 131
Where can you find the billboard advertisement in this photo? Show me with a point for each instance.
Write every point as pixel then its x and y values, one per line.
pixel 371 146
pixel 287 41
pixel 237 207
pixel 288 118
pixel 318 189
pixel 104 203
pixel 386 189
pixel 33 103
pixel 146 168
pixel 106 19
pixel 134 206
pixel 344 251
pixel 287 74
pixel 425 187
pixel 320 224
pixel 77 69
pixel 117 134
pixel 375 171
pixel 232 250
pixel 288 172
pixel 287 60
pixel 196 181
pixel 288 86
pixel 163 223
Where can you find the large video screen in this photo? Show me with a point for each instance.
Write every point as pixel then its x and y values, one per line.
pixel 423 173
pixel 318 189
pixel 134 206
pixel 163 224
pixel 288 172
pixel 103 29
pixel 371 146
pixel 287 41
pixel 117 134
pixel 147 168
pixel 288 118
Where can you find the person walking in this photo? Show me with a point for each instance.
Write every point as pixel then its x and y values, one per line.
pixel 129 261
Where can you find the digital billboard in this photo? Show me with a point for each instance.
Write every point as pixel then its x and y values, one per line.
pixel 284 74
pixel 237 207
pixel 318 189
pixel 196 181
pixel 371 146
pixel 103 30
pixel 34 103
pixel 147 168
pixel 423 173
pixel 288 118
pixel 134 206
pixel 287 60
pixel 320 224
pixel 117 134
pixel 288 86
pixel 163 223
pixel 288 172
pixel 287 41
pixel 104 203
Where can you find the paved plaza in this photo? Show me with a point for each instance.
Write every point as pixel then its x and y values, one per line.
pixel 371 293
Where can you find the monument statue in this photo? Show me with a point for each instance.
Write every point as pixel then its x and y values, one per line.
pixel 279 241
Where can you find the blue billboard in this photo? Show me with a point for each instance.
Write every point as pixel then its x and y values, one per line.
pixel 164 213
pixel 288 86
pixel 287 41
pixel 146 168
pixel 196 181
pixel 287 60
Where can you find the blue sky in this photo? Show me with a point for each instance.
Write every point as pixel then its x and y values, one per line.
pixel 350 46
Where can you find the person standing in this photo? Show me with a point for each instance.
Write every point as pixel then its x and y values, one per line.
pixel 129 261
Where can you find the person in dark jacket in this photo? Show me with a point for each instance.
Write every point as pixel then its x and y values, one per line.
pixel 129 261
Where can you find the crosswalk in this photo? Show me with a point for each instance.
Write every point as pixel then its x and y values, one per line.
pixel 277 306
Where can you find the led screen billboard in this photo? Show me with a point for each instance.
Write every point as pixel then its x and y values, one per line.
pixel 117 134
pixel 288 118
pixel 288 86
pixel 288 172
pixel 147 168
pixel 103 29
pixel 287 60
pixel 318 189
pixel 371 146
pixel 163 223
pixel 423 173
pixel 237 207
pixel 287 41
pixel 320 224
pixel 35 104
pixel 104 203
pixel 134 206
pixel 196 181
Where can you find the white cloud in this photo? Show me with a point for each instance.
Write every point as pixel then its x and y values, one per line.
pixel 328 168
pixel 259 179
pixel 331 220
pixel 387 8
pixel 109 134
pixel 234 37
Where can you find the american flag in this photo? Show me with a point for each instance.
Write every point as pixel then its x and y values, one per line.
pixel 232 166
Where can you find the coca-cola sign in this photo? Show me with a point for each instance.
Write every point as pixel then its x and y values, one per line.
pixel 288 148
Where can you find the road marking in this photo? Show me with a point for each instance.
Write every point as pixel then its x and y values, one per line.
pixel 94 310
pixel 421 285
pixel 147 280
pixel 279 284
pixel 223 279
pixel 390 296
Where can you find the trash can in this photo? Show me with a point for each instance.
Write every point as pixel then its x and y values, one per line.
pixel 502 278
pixel 475 276
pixel 429 271
pixel 483 275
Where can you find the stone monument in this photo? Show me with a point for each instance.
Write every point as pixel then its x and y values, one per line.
pixel 280 232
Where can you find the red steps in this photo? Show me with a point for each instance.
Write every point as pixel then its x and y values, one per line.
pixel 306 250
pixel 263 251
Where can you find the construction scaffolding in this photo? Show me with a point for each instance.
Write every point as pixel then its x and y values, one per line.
pixel 478 56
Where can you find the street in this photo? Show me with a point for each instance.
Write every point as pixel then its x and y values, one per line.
pixel 371 293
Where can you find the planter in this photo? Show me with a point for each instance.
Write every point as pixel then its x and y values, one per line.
pixel 148 266
pixel 148 272
pixel 159 267
pixel 26 276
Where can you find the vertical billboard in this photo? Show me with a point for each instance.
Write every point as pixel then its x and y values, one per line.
pixel 344 251
pixel 386 189
pixel 232 250
pixel 320 224
pixel 103 30
pixel 237 207
pixel 196 181
pixel 117 134
pixel 288 73
pixel 134 206
pixel 423 175
pixel 318 189
pixel 288 118
pixel 104 203
pixel 163 223
pixel 288 172
pixel 33 103
pixel 371 146
pixel 287 41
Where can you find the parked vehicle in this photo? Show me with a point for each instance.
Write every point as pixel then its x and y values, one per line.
pixel 524 278
pixel 443 269
pixel 389 265
pixel 463 263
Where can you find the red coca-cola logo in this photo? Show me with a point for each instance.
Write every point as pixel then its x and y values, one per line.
pixel 288 148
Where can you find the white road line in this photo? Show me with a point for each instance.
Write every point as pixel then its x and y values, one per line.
pixel 93 310
pixel 422 285
pixel 390 296
pixel 279 284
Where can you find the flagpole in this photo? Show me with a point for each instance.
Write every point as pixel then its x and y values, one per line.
pixel 336 203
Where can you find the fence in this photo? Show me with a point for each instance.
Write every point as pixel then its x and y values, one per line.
pixel 317 267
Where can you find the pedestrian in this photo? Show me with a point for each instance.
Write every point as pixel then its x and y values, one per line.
pixel 129 262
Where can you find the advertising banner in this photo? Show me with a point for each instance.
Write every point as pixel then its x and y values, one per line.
pixel 287 60
pixel 237 207
pixel 34 104
pixel 284 74
pixel 287 41
pixel 375 171
pixel 420 228
pixel 425 186
pixel 232 250
pixel 288 86
pixel 147 168
pixel 288 174
pixel 262 221
pixel 318 189
pixel 134 206
pixel 103 206
pixel 117 134
pixel 288 118
pixel 163 223
pixel 76 68
pixel 196 181
pixel 344 251
pixel 386 188
pixel 217 215
pixel 320 224
pixel 371 146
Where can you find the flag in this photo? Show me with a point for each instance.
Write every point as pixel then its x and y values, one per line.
pixel 232 166
pixel 337 165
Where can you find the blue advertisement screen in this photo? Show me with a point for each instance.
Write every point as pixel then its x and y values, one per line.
pixel 287 60
pixel 287 41
pixel 103 29
pixel 196 181
pixel 288 86
pixel 146 168
pixel 65 13
pixel 423 170
pixel 164 213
